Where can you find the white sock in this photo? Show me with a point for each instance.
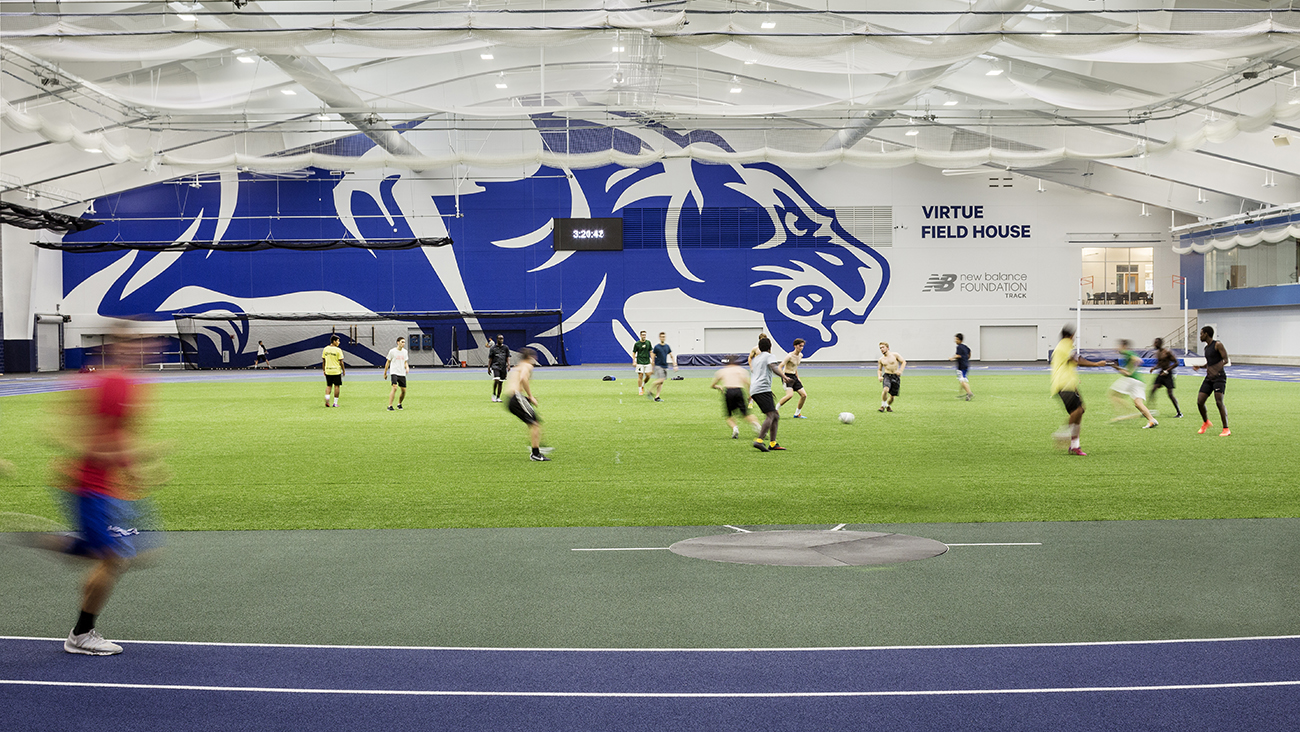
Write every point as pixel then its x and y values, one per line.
pixel 1074 443
pixel 336 402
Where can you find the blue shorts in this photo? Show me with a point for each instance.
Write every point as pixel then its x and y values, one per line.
pixel 106 526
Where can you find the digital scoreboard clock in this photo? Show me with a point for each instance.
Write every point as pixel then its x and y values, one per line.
pixel 588 235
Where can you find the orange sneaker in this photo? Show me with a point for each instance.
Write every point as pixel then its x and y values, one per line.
pixel 1225 432
pixel 1203 428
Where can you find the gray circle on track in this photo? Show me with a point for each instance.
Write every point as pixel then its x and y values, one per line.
pixel 810 548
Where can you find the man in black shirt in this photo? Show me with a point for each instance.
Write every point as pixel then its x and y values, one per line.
pixel 1216 382
pixel 498 365
pixel 962 357
pixel 1166 364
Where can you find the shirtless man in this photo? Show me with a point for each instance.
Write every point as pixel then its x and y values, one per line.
pixel 520 401
pixel 793 386
pixel 889 372
pixel 731 380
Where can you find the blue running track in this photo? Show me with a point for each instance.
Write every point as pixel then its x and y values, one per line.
pixel 1233 684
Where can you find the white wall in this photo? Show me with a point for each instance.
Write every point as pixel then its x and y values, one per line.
pixel 920 325
pixel 1257 335
pixel 33 281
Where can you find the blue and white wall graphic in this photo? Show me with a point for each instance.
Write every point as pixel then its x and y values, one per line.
pixel 744 245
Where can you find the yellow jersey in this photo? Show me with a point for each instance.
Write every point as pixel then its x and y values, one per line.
pixel 333 356
pixel 1065 372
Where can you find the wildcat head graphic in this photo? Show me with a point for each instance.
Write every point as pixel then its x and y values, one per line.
pixel 744 237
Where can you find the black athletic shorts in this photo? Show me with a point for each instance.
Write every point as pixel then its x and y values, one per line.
pixel 333 379
pixel 1071 400
pixel 519 406
pixel 1212 384
pixel 794 384
pixel 498 371
pixel 733 400
pixel 1164 380
pixel 891 382
pixel 765 402
pixel 398 380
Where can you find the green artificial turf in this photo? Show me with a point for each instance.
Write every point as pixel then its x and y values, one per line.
pixel 265 454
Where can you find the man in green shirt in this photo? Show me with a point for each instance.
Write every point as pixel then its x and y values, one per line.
pixel 1129 384
pixel 642 350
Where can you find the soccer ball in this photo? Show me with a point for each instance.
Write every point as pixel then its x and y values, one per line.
pixel 846 417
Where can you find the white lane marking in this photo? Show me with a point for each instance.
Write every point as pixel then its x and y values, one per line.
pixel 1008 543
pixel 657 695
pixel 737 528
pixel 837 528
pixel 1072 644
pixel 623 549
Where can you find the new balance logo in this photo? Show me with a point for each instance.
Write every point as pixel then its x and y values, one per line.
pixel 940 283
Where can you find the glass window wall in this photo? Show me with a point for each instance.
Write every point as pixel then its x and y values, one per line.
pixel 1120 275
pixel 1262 265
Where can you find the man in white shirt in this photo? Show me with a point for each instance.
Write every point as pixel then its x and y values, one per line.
pixel 399 364
pixel 760 390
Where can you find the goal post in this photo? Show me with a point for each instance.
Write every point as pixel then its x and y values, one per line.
pixel 228 340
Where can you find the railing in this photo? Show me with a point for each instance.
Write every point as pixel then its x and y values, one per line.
pixel 1182 335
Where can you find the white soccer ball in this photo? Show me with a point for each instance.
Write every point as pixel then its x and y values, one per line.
pixel 846 417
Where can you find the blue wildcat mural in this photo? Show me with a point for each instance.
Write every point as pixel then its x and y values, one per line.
pixel 699 239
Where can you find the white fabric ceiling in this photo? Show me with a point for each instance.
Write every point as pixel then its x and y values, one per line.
pixel 1165 97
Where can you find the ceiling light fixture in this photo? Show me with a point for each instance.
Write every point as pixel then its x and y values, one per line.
pixel 767 25
pixel 501 80
pixel 1145 212
pixel 288 92
pixel 993 72
pixel 486 56
pixel 950 103
pixel 93 150
pixel 911 133
pixel 245 59
pixel 617 49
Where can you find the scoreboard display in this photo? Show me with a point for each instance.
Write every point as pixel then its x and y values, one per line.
pixel 588 235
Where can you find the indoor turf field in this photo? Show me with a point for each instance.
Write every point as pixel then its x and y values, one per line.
pixel 258 450
pixel 508 594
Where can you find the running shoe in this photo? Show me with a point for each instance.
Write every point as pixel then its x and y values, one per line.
pixel 800 416
pixel 90 643
pixel 1077 451
pixel 390 408
pixel 775 446
pixel 1203 428
pixel 1225 432
pixel 538 458
pixel 1150 424
pixel 760 445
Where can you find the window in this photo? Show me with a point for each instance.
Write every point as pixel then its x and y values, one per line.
pixel 1262 265
pixel 1120 275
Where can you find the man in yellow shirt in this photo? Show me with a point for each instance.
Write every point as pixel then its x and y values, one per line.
pixel 332 360
pixel 1065 384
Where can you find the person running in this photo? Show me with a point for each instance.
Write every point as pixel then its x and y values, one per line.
pixel 399 363
pixel 1216 381
pixel 332 361
pixel 731 380
pixel 889 372
pixel 641 353
pixel 962 357
pixel 107 474
pixel 498 365
pixel 753 352
pixel 521 402
pixel 1065 384
pixel 663 355
pixel 790 365
pixel 760 390
pixel 1166 364
pixel 1129 384
pixel 263 356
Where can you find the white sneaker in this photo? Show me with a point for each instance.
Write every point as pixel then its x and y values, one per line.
pixel 90 643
